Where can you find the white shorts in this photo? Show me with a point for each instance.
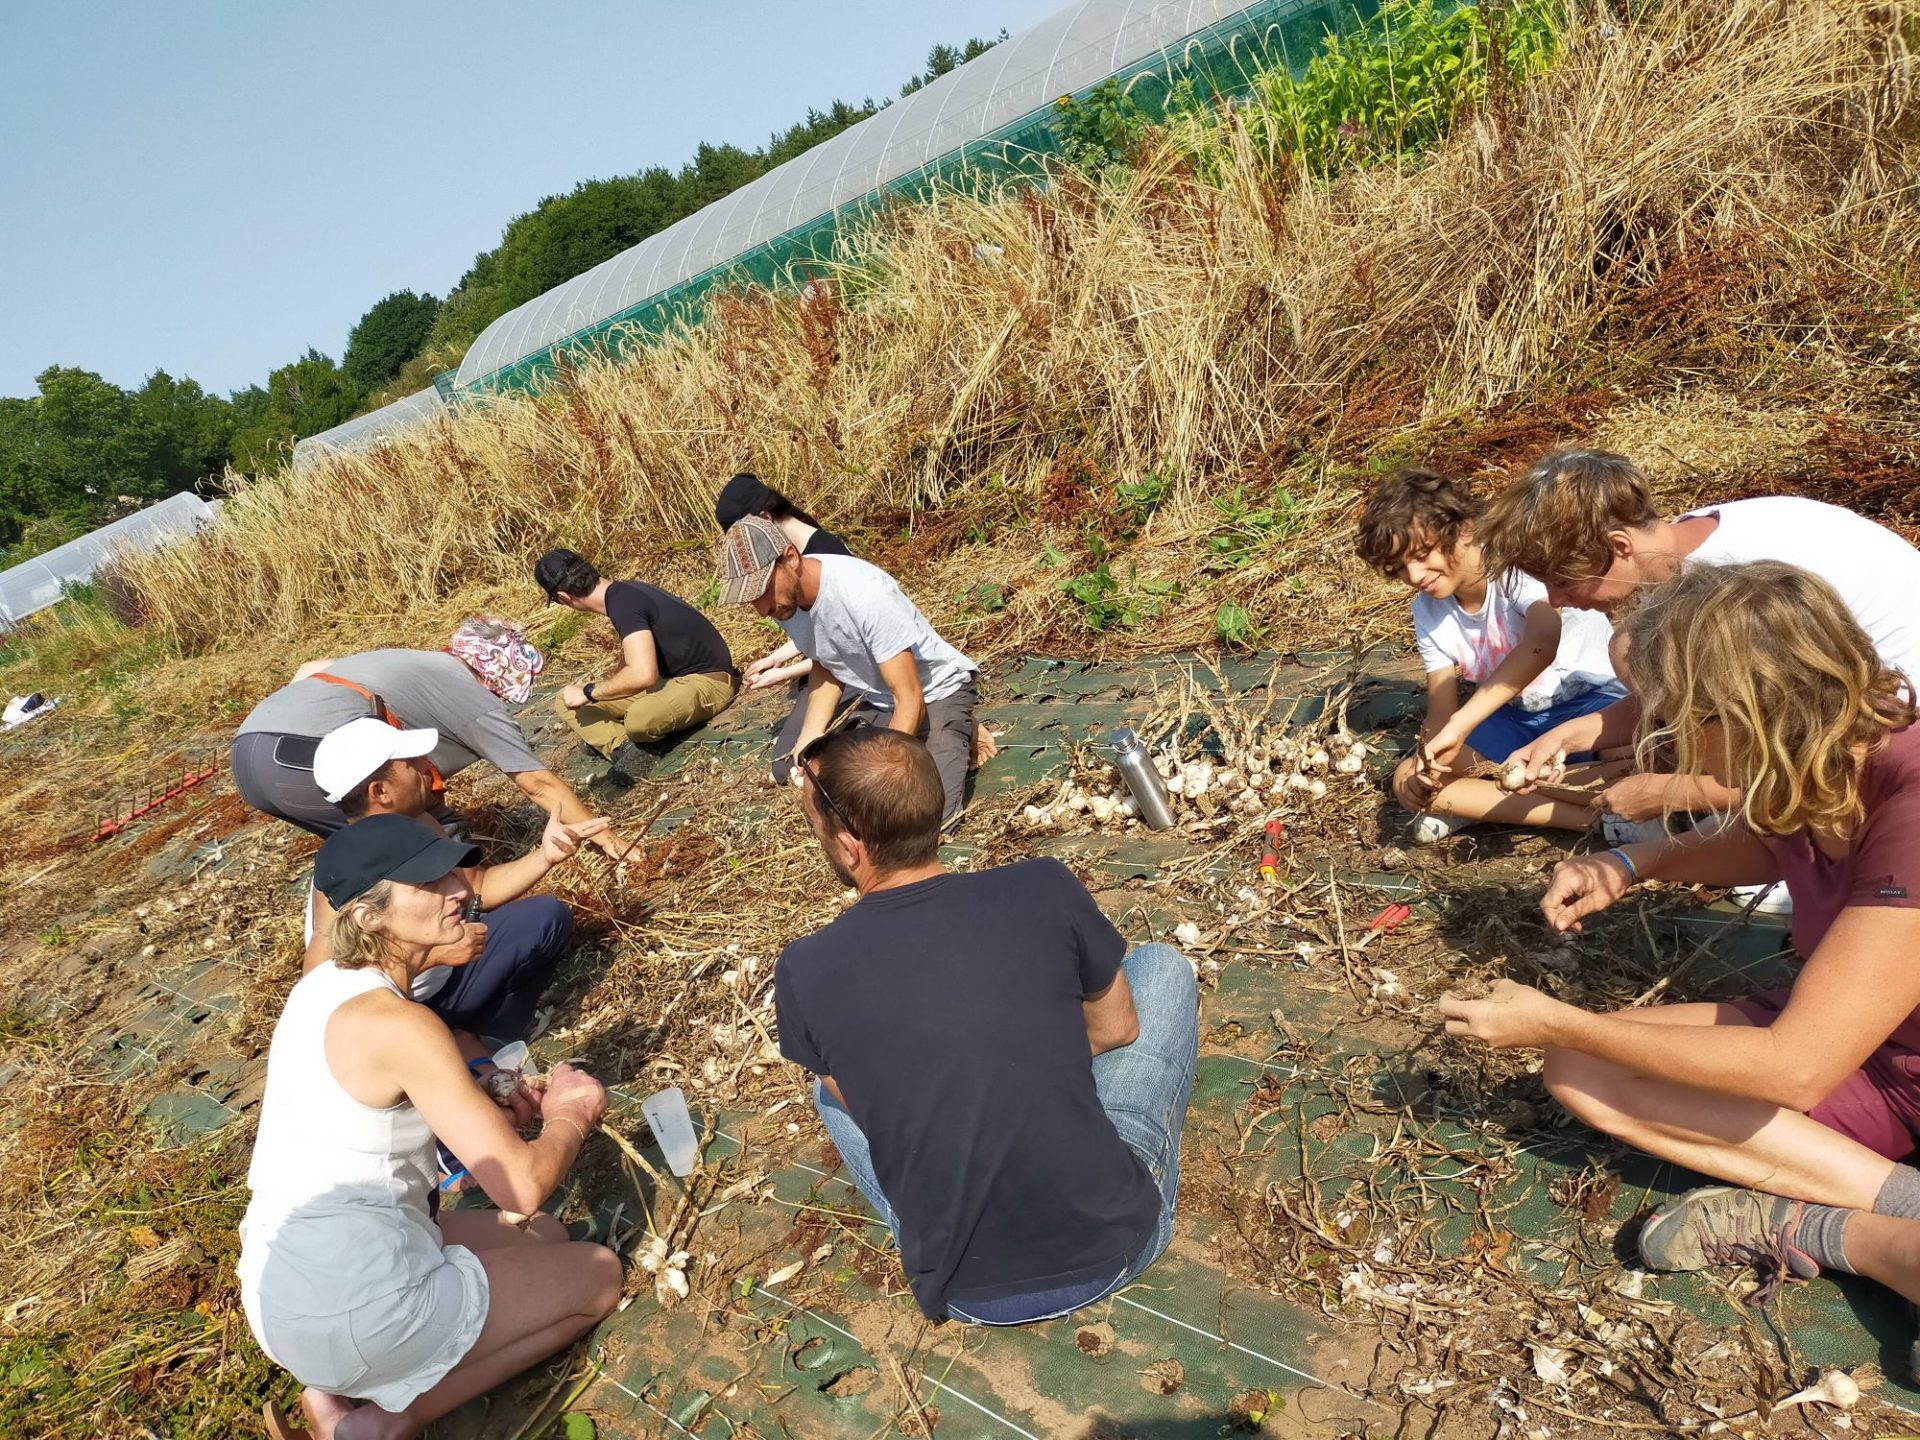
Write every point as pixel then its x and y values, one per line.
pixel 388 1351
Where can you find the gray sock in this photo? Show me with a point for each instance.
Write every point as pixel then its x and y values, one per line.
pixel 1900 1196
pixel 1822 1233
pixel 1822 1236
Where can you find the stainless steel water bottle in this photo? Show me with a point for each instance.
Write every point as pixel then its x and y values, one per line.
pixel 1135 765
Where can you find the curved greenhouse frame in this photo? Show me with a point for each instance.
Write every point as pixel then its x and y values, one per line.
pixel 34 584
pixel 991 115
pixel 365 431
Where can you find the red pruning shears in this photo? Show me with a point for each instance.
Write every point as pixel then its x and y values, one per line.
pixel 1383 922
pixel 1270 857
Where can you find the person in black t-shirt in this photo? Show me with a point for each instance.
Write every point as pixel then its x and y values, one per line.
pixel 675 669
pixel 745 495
pixel 1004 1081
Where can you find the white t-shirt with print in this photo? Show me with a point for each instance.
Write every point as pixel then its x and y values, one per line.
pixel 1875 572
pixel 1475 642
pixel 861 619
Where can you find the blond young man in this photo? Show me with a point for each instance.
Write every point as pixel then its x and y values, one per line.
pixel 1584 523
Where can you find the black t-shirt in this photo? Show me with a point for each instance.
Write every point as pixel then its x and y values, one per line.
pixel 683 638
pixel 949 1014
pixel 825 542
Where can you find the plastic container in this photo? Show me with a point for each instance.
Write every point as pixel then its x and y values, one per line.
pixel 1135 765
pixel 672 1126
pixel 513 1056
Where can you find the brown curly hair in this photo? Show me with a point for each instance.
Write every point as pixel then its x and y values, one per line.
pixel 1410 510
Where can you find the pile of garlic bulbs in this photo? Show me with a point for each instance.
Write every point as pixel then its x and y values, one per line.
pixel 1293 769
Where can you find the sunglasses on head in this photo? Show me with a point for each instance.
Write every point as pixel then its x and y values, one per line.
pixel 804 760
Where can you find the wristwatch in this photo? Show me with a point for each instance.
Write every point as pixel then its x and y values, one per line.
pixel 587 690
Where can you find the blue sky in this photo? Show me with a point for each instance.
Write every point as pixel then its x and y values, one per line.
pixel 210 187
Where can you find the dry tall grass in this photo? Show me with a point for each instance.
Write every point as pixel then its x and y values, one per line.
pixel 1721 192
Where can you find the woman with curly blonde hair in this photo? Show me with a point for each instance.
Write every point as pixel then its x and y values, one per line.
pixel 1757 676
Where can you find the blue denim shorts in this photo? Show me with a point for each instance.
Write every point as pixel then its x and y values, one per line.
pixel 1512 728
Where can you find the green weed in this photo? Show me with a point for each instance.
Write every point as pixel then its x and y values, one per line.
pixel 1135 502
pixel 1234 625
pixel 1105 603
pixel 1245 529
pixel 985 598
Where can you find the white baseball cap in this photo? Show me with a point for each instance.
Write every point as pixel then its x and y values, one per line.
pixel 362 748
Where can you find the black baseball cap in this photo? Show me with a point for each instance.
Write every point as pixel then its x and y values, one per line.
pixel 741 496
pixel 385 847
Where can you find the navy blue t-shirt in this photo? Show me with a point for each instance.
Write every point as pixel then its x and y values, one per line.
pixel 949 1014
pixel 684 640
pixel 825 542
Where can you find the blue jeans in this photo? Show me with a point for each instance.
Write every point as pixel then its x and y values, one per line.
pixel 494 994
pixel 1144 1088
pixel 1512 727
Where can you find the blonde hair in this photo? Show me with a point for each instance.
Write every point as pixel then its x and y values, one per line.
pixel 1553 522
pixel 354 946
pixel 1771 656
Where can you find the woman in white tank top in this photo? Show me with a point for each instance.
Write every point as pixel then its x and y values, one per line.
pixel 390 1314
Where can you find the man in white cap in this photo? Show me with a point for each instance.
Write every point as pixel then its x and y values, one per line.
pixel 488 991
pixel 865 637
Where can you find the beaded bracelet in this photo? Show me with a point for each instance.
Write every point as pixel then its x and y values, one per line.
pixel 1633 870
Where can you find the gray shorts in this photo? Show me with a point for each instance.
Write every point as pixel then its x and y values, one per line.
pixel 274 774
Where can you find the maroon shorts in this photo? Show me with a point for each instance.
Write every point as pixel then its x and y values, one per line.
pixel 1879 1104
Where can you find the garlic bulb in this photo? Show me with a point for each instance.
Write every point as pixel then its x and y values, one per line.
pixel 1835 1387
pixel 1316 788
pixel 1348 764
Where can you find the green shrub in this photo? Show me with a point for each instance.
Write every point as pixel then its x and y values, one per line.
pixel 1391 87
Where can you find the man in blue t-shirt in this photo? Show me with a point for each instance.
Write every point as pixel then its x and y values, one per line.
pixel 1005 1082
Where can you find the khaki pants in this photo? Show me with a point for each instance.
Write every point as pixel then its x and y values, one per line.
pixel 675 704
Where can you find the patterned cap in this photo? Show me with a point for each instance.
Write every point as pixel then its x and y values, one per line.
pixel 499 654
pixel 747 556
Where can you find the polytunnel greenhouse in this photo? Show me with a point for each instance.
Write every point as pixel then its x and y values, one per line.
pixel 34 584
pixel 991 116
pixel 365 431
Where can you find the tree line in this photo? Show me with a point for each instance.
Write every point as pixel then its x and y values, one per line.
pixel 84 450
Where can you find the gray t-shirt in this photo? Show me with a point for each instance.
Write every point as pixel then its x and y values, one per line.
pixel 422 688
pixel 860 619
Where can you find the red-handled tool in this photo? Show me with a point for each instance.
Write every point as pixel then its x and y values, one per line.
pixel 1386 920
pixel 1270 857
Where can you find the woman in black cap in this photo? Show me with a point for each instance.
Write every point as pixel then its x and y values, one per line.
pixel 390 1314
pixel 745 495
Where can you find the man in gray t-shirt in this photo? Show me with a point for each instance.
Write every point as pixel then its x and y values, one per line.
pixel 864 636
pixel 428 689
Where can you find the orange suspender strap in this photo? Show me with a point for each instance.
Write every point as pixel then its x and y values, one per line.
pixel 381 712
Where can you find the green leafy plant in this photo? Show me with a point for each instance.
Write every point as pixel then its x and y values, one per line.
pixel 1233 624
pixel 1391 86
pixel 1106 603
pixel 985 598
pixel 1245 529
pixel 1099 133
pixel 1134 501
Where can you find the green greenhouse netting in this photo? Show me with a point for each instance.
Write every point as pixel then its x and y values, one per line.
pixel 991 117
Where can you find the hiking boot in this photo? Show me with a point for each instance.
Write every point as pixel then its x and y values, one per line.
pixel 1728 1225
pixel 629 760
